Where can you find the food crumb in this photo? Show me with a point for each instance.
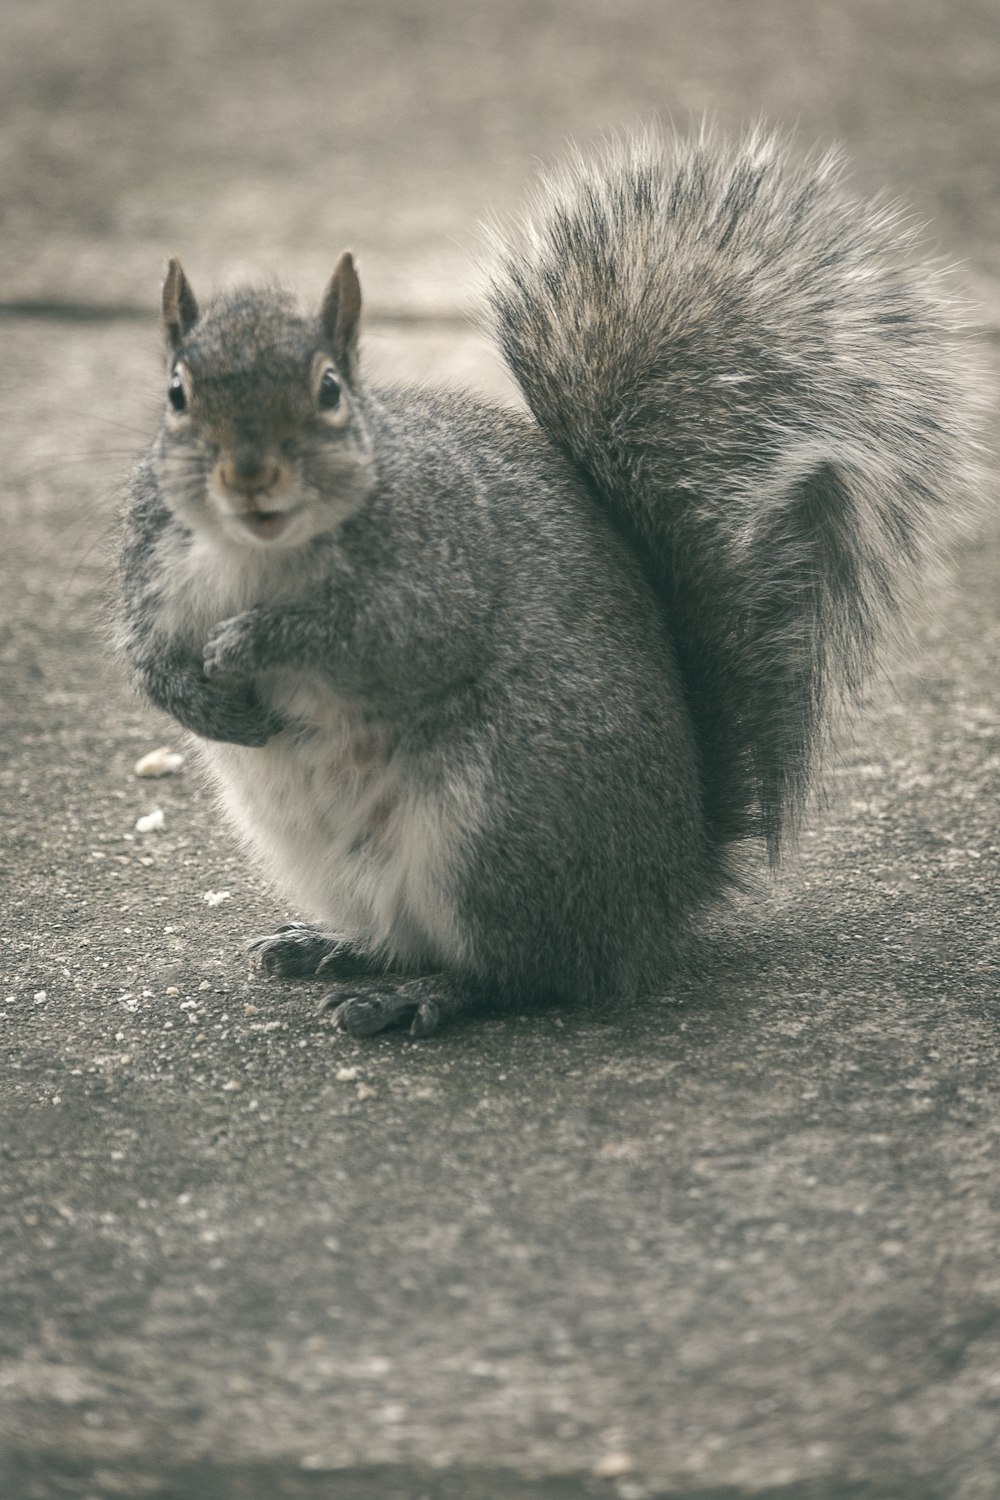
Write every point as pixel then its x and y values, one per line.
pixel 160 762
pixel 612 1466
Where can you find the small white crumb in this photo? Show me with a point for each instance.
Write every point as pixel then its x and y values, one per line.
pixel 612 1466
pixel 365 1091
pixel 216 898
pixel 151 823
pixel 346 1075
pixel 232 1087
pixel 161 762
pixel 40 997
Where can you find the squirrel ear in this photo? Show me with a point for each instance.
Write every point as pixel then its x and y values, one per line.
pixel 341 312
pixel 180 310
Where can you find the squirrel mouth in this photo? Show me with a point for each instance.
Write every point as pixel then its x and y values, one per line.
pixel 265 524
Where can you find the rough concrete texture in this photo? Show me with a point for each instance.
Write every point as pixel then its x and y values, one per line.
pixel 739 1241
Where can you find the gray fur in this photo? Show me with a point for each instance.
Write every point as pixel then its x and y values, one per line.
pixel 771 393
pixel 498 701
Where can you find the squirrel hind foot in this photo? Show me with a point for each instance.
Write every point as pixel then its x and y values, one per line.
pixel 368 1014
pixel 298 950
pixel 426 1002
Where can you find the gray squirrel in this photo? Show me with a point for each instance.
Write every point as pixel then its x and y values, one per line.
pixel 500 701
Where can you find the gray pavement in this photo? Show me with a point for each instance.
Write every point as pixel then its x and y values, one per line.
pixel 740 1241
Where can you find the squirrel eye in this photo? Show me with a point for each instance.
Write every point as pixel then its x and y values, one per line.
pixel 176 395
pixel 328 395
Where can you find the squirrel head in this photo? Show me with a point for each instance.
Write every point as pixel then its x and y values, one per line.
pixel 264 440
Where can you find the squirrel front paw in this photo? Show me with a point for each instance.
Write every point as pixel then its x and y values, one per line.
pixel 230 710
pixel 230 648
pixel 234 715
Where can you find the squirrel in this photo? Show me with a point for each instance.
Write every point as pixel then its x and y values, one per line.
pixel 500 699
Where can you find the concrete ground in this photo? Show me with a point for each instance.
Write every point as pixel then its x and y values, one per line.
pixel 740 1241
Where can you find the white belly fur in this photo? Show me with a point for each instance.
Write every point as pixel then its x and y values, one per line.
pixel 346 834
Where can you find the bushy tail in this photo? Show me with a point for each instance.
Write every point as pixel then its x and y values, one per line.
pixel 771 398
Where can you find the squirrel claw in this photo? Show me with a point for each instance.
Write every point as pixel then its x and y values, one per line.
pixel 228 651
pixel 426 1020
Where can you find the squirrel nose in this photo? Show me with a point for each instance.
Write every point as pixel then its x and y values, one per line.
pixel 249 473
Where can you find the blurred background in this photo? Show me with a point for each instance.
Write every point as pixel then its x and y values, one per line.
pixel 255 136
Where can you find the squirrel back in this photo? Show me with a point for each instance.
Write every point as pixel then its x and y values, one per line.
pixel 769 395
